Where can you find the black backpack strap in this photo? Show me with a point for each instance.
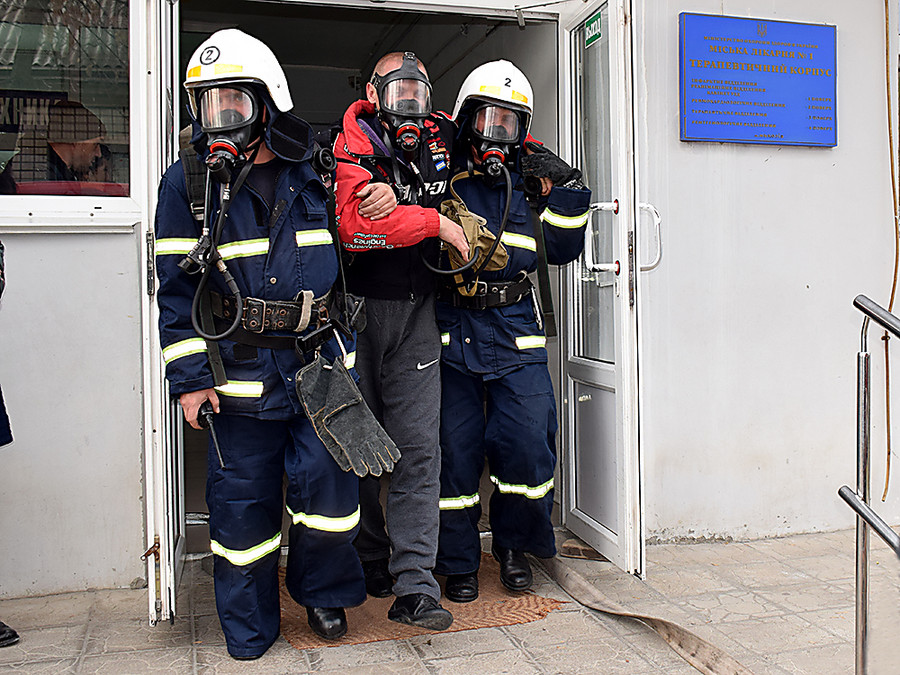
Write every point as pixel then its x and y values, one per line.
pixel 543 276
pixel 194 181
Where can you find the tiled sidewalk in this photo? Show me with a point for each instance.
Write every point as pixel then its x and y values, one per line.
pixel 778 605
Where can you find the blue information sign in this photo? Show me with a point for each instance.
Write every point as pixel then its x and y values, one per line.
pixel 757 81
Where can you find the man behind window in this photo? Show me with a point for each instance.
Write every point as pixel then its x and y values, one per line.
pixel 73 141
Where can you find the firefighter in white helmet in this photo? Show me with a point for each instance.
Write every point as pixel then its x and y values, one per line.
pixel 497 398
pixel 241 359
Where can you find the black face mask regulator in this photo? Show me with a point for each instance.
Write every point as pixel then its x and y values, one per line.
pixel 404 101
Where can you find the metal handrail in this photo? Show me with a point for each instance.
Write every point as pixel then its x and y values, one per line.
pixel 876 522
pixel 877 313
pixel 859 500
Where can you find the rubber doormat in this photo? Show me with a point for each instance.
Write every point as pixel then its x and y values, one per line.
pixel 495 606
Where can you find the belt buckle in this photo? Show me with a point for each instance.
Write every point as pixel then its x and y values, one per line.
pixel 250 322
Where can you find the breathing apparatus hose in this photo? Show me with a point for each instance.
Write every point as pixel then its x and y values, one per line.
pixel 503 222
pixel 214 259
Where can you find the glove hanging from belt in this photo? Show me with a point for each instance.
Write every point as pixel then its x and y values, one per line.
pixel 342 420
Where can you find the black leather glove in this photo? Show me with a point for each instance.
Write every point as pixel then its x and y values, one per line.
pixel 543 163
pixel 343 421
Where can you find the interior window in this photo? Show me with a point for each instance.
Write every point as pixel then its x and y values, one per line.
pixel 64 97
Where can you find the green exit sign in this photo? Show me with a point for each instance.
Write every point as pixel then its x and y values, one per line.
pixel 592 30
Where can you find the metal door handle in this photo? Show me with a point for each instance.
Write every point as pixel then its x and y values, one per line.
pixel 589 239
pixel 657 224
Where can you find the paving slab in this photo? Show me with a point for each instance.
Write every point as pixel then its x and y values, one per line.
pixel 778 606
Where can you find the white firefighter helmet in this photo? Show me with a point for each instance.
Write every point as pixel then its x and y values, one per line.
pixel 500 82
pixel 232 56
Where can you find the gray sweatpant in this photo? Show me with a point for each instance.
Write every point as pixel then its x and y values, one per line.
pixel 397 359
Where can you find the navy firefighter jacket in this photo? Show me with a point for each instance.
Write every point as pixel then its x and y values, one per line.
pixel 273 254
pixel 498 339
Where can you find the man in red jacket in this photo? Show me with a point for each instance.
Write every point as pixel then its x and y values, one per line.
pixel 391 137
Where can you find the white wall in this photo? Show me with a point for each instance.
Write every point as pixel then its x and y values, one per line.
pixel 70 483
pixel 749 336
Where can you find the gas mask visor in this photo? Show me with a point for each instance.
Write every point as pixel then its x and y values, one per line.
pixel 496 133
pixel 226 108
pixel 496 123
pixel 406 98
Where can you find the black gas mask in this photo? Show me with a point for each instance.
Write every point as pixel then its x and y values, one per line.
pixel 495 133
pixel 404 98
pixel 231 118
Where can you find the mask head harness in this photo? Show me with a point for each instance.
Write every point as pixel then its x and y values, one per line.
pixel 404 101
pixel 495 131
pixel 230 114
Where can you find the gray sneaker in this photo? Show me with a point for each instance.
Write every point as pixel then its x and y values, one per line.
pixel 418 609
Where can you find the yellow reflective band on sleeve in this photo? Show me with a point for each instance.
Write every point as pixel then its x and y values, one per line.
pixel 174 246
pixel 531 342
pixel 242 249
pixel 350 360
pixel 524 490
pixel 314 238
pixel 456 503
pixel 325 523
pixel 184 348
pixel 445 339
pixel 518 240
pixel 241 389
pixel 249 555
pixel 568 222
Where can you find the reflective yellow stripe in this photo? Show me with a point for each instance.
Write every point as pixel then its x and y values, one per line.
pixel 524 490
pixel 194 72
pixel 568 222
pixel 225 68
pixel 445 339
pixel 241 389
pixel 350 360
pixel 531 342
pixel 174 246
pixel 325 523
pixel 455 503
pixel 242 249
pixel 314 238
pixel 518 240
pixel 184 348
pixel 249 555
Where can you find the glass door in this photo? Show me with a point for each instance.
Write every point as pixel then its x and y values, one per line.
pixel 601 486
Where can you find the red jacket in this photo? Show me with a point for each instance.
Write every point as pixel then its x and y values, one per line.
pixel 362 160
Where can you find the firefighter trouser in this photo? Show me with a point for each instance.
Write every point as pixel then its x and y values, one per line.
pixel 399 377
pixel 245 515
pixel 511 419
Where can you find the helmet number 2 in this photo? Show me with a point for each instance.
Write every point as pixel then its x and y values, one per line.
pixel 507 82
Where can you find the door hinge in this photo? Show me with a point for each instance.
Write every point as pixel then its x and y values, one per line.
pixel 154 551
pixel 151 265
pixel 631 272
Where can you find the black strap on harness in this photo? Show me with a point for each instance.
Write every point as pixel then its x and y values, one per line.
pixel 543 276
pixel 195 177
